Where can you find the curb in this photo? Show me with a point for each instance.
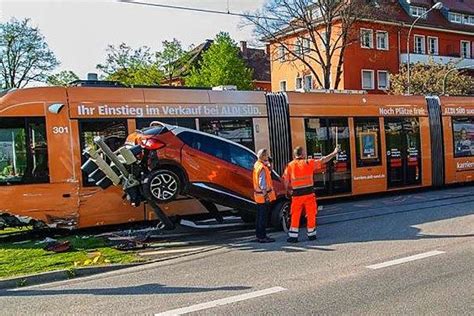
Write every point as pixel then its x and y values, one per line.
pixel 60 275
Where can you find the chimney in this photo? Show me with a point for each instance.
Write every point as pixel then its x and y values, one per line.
pixel 92 76
pixel 243 46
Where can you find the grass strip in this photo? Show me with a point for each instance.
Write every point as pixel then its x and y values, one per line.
pixel 29 257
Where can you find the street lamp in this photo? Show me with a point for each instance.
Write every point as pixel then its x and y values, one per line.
pixel 436 6
pixel 445 79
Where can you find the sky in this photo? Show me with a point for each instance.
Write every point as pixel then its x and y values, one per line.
pixel 78 31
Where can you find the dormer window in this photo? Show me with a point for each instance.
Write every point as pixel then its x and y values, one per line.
pixel 455 17
pixel 418 12
pixel 460 18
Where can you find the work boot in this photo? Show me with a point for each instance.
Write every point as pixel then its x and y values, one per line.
pixel 292 240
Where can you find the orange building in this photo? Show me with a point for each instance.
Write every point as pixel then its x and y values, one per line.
pixel 445 35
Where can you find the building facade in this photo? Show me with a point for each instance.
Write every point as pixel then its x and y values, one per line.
pixel 445 35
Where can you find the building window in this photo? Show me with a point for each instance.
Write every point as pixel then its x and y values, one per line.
pixel 299 83
pixel 418 12
pixel 298 47
pixel 465 49
pixel 461 18
pixel 325 41
pixel 306 45
pixel 308 82
pixel 382 40
pixel 23 151
pixel 281 53
pixel 455 17
pixel 366 38
pixel 419 44
pixel 383 80
pixel 432 45
pixel 113 131
pixel 236 130
pixel 367 79
pixel 470 20
pixel 283 85
pixel 463 133
pixel 367 133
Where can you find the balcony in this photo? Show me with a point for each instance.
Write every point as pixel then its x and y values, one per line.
pixel 460 62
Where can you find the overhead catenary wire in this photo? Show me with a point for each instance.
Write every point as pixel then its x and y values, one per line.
pixel 175 7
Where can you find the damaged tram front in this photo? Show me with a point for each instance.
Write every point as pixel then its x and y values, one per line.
pixel 44 131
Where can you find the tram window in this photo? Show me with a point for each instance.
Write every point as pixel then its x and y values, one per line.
pixel 463 131
pixel 114 133
pixel 367 132
pixel 236 130
pixel 23 151
pixel 317 141
pixel 181 122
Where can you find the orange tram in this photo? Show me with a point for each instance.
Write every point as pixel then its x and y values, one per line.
pixel 387 143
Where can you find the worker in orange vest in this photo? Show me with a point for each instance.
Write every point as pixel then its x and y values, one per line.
pixel 299 183
pixel 263 194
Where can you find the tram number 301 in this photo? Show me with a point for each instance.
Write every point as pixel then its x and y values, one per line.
pixel 60 130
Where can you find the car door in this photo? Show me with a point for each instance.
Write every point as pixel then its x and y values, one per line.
pixel 213 174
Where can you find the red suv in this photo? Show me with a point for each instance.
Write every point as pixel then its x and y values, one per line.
pixel 180 161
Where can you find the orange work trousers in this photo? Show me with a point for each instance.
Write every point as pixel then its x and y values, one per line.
pixel 308 203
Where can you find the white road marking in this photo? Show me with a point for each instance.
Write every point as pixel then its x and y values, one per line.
pixel 223 301
pixel 294 248
pixel 168 251
pixel 406 259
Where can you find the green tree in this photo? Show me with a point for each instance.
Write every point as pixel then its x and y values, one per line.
pixel 24 55
pixel 427 79
pixel 131 66
pixel 221 65
pixel 171 58
pixel 62 78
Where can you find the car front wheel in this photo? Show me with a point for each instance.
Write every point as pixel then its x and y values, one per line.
pixel 162 185
pixel 280 218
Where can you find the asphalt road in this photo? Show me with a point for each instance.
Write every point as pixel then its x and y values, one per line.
pixel 420 261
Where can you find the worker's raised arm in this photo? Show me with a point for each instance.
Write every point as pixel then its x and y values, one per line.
pixel 327 158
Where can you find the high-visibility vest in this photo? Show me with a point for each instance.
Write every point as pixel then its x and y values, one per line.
pixel 299 173
pixel 258 195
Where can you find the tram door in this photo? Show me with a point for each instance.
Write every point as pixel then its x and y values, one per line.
pixel 403 151
pixel 321 136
